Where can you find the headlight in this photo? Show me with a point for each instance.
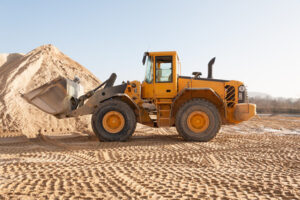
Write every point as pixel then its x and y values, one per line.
pixel 242 88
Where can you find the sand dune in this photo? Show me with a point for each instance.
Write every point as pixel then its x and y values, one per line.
pixel 240 163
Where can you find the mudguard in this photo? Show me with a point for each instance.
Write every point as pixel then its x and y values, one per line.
pixel 190 93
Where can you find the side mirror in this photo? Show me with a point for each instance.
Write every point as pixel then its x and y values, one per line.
pixel 144 57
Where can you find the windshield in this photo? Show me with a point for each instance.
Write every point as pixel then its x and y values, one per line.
pixel 149 70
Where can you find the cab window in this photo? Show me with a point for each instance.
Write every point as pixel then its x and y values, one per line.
pixel 163 69
pixel 149 70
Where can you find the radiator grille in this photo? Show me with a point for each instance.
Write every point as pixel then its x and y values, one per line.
pixel 230 95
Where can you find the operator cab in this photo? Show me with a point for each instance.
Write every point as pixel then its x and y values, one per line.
pixel 161 75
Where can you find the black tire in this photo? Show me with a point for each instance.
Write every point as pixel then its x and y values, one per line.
pixel 201 105
pixel 127 113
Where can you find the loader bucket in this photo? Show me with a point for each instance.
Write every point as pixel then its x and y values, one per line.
pixel 56 97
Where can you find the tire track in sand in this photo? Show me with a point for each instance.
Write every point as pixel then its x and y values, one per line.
pixel 154 164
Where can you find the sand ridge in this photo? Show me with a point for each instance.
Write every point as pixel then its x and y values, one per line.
pixel 155 164
pixel 20 74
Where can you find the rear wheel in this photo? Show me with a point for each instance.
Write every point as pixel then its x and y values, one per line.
pixel 198 120
pixel 114 121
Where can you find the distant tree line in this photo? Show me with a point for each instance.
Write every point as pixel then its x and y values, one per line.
pixel 276 105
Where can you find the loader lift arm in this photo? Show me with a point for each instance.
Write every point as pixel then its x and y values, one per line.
pixel 108 83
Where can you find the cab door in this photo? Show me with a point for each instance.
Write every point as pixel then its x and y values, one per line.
pixel 165 80
pixel 148 83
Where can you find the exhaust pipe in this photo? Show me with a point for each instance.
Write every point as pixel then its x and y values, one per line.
pixel 210 64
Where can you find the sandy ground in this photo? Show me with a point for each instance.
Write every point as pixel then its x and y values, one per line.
pixel 258 159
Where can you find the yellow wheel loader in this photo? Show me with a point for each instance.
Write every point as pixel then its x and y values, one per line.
pixel 195 105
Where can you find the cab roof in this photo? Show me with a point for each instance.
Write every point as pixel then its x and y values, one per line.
pixel 159 53
pixel 162 53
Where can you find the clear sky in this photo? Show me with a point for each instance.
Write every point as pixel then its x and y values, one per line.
pixel 255 41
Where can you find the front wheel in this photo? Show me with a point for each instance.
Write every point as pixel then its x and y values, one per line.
pixel 198 120
pixel 114 121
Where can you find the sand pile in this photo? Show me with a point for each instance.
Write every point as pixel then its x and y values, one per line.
pixel 22 73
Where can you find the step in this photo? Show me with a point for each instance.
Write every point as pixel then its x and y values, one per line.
pixel 164 102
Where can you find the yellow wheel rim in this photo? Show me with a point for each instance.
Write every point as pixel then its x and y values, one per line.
pixel 198 121
pixel 113 122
